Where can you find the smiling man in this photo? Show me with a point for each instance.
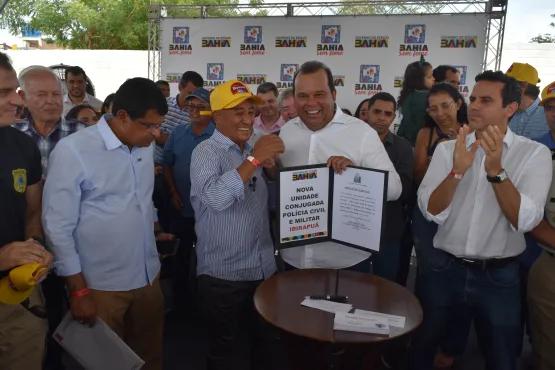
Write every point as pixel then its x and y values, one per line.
pixel 322 133
pixel 235 252
pixel 269 121
pixel 76 83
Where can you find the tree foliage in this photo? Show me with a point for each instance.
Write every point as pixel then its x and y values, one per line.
pixel 99 24
pixel 390 8
pixel 546 38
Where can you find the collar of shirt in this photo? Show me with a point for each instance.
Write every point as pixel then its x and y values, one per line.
pixel 389 138
pixel 226 142
pixel 277 125
pixel 508 139
pixel 110 139
pixel 173 102
pixel 532 107
pixel 29 125
pixel 67 99
pixel 208 130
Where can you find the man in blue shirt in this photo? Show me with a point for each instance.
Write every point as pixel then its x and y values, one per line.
pixel 529 120
pixel 99 220
pixel 177 162
pixel 235 252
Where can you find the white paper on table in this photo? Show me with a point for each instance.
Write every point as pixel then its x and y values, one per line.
pixel 327 306
pixel 395 321
pixel 360 323
pixel 96 347
pixel 358 205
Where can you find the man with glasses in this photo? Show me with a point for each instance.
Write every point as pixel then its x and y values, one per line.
pixel 177 161
pixel 100 222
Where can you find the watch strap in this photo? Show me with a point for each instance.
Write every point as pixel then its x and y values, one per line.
pixel 456 175
pixel 501 176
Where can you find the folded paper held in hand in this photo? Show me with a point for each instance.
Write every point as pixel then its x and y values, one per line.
pixel 327 306
pixel 360 323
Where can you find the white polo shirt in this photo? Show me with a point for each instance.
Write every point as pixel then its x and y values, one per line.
pixel 89 99
pixel 344 136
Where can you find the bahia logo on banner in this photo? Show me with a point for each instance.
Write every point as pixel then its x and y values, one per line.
pixel 339 80
pixel 398 81
pixel 253 41
pixel 459 42
pixel 463 88
pixel 369 80
pixel 180 45
pixel 173 77
pixel 291 42
pixel 331 41
pixel 214 75
pixel 252 79
pixel 286 74
pixel 371 41
pixel 415 41
pixel 216 42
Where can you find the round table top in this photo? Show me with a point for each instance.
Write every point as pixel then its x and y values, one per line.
pixel 278 301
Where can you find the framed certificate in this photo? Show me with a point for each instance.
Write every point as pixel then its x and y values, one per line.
pixel 317 205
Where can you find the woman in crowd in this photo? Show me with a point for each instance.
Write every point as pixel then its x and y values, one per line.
pixel 84 113
pixel 107 105
pixel 413 98
pixel 362 110
pixel 446 113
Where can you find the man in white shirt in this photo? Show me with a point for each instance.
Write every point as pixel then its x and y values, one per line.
pixel 76 83
pixel 484 190
pixel 322 133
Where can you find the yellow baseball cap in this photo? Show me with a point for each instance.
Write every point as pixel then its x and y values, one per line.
pixel 523 72
pixel 18 286
pixel 548 93
pixel 229 95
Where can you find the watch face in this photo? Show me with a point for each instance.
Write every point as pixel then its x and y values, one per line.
pixel 503 175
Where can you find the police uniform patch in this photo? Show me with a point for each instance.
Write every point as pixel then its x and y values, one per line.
pixel 19 180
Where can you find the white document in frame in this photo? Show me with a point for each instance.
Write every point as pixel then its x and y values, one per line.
pixel 395 321
pixel 358 198
pixel 97 347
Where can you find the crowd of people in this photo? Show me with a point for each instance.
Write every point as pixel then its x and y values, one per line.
pixel 88 188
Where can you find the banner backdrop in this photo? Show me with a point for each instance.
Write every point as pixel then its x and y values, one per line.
pixel 367 54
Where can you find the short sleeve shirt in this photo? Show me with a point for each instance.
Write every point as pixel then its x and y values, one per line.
pixel 20 167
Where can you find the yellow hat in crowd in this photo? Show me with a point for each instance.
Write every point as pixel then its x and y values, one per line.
pixel 523 72
pixel 19 285
pixel 229 95
pixel 548 93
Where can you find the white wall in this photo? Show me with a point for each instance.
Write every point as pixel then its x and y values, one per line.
pixel 108 69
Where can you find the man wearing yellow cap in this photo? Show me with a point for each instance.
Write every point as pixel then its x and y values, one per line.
pixel 230 199
pixel 22 334
pixel 529 120
pixel 541 280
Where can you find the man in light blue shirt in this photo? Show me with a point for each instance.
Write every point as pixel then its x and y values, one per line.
pixel 235 252
pixel 529 121
pixel 99 219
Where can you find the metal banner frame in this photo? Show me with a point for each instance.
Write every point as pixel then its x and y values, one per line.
pixel 495 10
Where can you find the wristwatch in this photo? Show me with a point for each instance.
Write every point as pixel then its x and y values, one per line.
pixel 502 176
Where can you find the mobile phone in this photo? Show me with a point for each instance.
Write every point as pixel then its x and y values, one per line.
pixel 167 247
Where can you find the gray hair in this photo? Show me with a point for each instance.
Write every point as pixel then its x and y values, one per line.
pixel 25 74
pixel 285 94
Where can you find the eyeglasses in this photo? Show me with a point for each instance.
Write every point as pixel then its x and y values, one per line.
pixel 199 107
pixel 435 109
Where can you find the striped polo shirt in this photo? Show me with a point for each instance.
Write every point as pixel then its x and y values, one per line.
pixel 530 123
pixel 175 117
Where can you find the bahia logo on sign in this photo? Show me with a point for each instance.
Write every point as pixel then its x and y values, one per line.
pixel 252 79
pixel 415 41
pixel 463 88
pixel 369 80
pixel 291 41
pixel 331 41
pixel 253 41
pixel 214 75
pixel 286 74
pixel 180 45
pixel 371 41
pixel 459 42
pixel 216 42
pixel 339 80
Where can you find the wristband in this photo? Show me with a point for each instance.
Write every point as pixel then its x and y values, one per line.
pixel 81 292
pixel 254 161
pixel 456 175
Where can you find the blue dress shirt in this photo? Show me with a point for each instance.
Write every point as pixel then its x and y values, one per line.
pixel 98 215
pixel 232 223
pixel 177 154
pixel 530 123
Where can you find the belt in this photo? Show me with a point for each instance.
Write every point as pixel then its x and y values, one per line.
pixel 486 264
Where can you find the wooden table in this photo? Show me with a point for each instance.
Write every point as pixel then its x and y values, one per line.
pixel 309 333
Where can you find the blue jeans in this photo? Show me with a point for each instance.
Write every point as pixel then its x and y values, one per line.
pixel 450 291
pixel 385 264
